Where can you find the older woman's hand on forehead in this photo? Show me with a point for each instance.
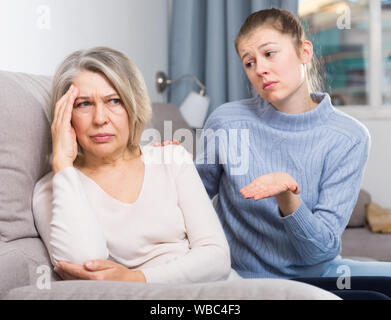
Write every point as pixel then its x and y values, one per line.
pixel 63 134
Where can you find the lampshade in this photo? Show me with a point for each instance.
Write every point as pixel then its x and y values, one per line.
pixel 194 109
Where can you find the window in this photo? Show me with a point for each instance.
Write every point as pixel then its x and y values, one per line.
pixel 339 32
pixel 386 36
pixel 352 40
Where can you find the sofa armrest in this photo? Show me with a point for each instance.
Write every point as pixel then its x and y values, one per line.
pixel 21 263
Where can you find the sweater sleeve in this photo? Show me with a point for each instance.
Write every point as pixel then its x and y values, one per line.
pixel 317 233
pixel 65 221
pixel 208 258
pixel 207 158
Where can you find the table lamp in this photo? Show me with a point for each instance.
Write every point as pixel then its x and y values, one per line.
pixel 195 107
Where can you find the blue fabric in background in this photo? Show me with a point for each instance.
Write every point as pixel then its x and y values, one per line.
pixel 202 44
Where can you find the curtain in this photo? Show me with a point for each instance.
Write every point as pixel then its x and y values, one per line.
pixel 202 44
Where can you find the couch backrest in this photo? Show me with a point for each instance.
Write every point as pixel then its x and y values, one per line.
pixel 357 219
pixel 25 145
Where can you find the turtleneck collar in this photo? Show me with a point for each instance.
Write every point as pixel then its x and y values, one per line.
pixel 300 121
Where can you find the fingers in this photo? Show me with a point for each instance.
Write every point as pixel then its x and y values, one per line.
pixel 58 106
pixel 67 107
pixel 258 192
pixel 91 270
pixel 63 103
pixel 255 194
pixel 252 191
pixel 64 275
pixel 270 185
pixel 165 143
pixel 70 271
pixel 96 265
pixel 295 189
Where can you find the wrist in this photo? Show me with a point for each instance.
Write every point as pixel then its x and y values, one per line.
pixel 58 166
pixel 288 202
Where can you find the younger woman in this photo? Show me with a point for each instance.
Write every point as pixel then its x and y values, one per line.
pixel 284 216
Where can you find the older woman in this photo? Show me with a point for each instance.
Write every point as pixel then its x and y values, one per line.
pixel 110 209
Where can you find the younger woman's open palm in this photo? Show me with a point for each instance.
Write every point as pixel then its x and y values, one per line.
pixel 270 185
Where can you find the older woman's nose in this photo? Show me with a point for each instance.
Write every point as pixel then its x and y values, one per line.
pixel 100 113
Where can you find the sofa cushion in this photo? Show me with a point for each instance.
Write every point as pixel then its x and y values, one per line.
pixel 23 262
pixel 243 289
pixel 363 242
pixel 357 219
pixel 12 268
pixel 25 146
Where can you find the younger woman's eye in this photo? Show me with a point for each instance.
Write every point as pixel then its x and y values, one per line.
pixel 249 64
pixel 269 53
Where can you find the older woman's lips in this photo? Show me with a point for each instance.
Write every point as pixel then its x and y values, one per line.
pixel 102 138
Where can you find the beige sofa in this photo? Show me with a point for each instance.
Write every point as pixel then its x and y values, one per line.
pixel 25 148
pixel 359 241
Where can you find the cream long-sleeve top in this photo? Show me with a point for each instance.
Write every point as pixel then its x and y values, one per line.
pixel 171 232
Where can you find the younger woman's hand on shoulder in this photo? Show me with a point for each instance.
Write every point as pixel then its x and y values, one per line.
pixel 165 143
pixel 168 142
pixel 270 185
pixel 64 145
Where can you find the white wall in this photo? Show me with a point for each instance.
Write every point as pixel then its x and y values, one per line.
pixel 377 175
pixel 36 35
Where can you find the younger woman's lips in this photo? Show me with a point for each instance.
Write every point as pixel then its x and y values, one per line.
pixel 270 86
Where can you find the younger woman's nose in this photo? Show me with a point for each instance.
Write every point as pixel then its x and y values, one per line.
pixel 261 69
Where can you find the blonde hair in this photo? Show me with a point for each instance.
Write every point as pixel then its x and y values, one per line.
pixel 287 23
pixel 123 75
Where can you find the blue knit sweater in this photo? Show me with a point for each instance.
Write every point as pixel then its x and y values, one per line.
pixel 324 150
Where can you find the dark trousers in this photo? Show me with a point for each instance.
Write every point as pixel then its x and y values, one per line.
pixel 361 288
